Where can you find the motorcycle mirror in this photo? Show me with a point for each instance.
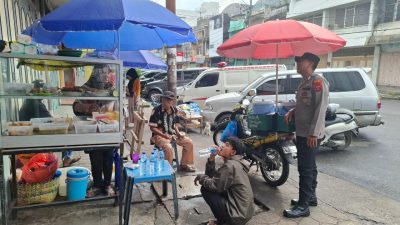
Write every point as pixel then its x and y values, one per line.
pixel 246 102
pixel 252 92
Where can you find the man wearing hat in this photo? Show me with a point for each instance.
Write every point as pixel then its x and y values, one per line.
pixel 309 114
pixel 162 123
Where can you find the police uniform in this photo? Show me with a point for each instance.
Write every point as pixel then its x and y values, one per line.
pixel 311 105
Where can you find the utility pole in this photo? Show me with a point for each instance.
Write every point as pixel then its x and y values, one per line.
pixel 171 54
pixel 250 12
pixel 249 21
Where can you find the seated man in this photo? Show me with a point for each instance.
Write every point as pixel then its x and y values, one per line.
pixel 163 121
pixel 227 190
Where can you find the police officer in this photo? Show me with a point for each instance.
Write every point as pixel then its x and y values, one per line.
pixel 309 115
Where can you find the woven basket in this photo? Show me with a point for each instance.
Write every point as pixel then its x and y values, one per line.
pixel 44 192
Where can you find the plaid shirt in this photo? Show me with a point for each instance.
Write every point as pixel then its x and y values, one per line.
pixel 161 119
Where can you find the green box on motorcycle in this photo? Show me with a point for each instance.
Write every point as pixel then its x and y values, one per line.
pixel 262 124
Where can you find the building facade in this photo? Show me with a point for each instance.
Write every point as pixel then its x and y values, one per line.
pixel 370 27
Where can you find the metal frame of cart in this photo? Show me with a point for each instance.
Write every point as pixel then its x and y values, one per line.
pixel 12 145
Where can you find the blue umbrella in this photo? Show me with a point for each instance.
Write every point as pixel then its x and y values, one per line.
pixel 136 59
pixel 89 15
pixel 129 36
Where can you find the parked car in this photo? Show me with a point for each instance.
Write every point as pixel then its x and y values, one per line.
pixel 184 77
pixel 222 80
pixel 152 76
pixel 351 88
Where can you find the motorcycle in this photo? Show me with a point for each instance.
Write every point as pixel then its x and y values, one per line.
pixel 340 126
pixel 272 153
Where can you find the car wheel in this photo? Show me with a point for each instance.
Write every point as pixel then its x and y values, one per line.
pixel 154 95
pixel 223 118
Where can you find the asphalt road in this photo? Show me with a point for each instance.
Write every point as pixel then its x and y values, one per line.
pixel 373 158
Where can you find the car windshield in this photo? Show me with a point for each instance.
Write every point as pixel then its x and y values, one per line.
pixel 251 85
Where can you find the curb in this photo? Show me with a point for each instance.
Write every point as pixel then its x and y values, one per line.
pixel 390 97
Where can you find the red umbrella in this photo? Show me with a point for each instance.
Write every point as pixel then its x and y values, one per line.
pixel 280 39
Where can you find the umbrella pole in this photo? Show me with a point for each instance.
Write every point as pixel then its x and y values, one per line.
pixel 276 70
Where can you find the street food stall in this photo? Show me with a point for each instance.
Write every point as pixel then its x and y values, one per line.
pixel 65 130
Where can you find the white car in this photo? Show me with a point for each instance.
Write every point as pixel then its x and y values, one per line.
pixel 351 88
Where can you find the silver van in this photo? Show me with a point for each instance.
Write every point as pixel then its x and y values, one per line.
pixel 351 88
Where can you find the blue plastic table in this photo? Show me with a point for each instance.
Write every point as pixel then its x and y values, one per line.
pixel 132 176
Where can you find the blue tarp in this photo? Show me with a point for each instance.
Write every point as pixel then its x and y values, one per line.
pixel 135 59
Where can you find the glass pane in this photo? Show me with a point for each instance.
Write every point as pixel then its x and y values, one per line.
pixel 339 18
pixel 269 87
pixel 398 12
pixel 349 20
pixel 293 85
pixel 208 80
pixel 362 12
pixel 318 20
pixel 389 10
pixel 344 81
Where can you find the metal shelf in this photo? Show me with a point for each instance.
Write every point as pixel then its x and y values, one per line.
pixel 58 97
pixel 83 61
pixel 13 142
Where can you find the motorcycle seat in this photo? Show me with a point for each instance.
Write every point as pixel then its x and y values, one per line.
pixel 340 118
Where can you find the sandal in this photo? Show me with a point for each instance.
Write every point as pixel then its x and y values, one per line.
pixel 187 168
pixel 110 190
pixel 93 192
pixel 68 162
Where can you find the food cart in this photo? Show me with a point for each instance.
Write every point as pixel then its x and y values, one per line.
pixel 17 72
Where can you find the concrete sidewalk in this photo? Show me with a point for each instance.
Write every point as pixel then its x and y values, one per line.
pixel 340 202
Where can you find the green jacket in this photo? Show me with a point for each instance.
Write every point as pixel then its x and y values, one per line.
pixel 232 179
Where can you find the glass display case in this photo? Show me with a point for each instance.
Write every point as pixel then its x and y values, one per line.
pixel 56 101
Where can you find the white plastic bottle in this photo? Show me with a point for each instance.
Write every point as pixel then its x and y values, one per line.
pixel 207 151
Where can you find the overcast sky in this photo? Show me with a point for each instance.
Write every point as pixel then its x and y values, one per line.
pixel 185 4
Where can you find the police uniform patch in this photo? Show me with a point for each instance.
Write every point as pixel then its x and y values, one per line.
pixel 318 85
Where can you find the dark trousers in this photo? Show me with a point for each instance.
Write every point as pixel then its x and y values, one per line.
pixel 307 168
pixel 217 203
pixel 102 164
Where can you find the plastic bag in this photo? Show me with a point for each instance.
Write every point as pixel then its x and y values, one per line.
pixel 23 159
pixel 230 131
pixel 40 168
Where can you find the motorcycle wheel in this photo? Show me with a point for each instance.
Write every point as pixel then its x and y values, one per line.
pixel 219 129
pixel 275 170
pixel 347 138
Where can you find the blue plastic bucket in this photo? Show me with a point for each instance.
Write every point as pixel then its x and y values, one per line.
pixel 77 181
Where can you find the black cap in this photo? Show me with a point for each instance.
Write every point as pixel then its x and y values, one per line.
pixel 169 95
pixel 308 56
pixel 237 145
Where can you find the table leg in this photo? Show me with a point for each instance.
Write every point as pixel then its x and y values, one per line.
pixel 121 179
pixel 128 200
pixel 14 192
pixel 164 188
pixel 175 195
pixel 3 194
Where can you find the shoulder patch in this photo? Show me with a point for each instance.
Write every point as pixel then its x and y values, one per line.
pixel 318 85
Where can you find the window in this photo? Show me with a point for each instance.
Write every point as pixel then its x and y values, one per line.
pixel 317 19
pixel 392 10
pixel 208 80
pixel 218 22
pixel 292 85
pixel 352 16
pixel 344 81
pixel 190 75
pixel 269 87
